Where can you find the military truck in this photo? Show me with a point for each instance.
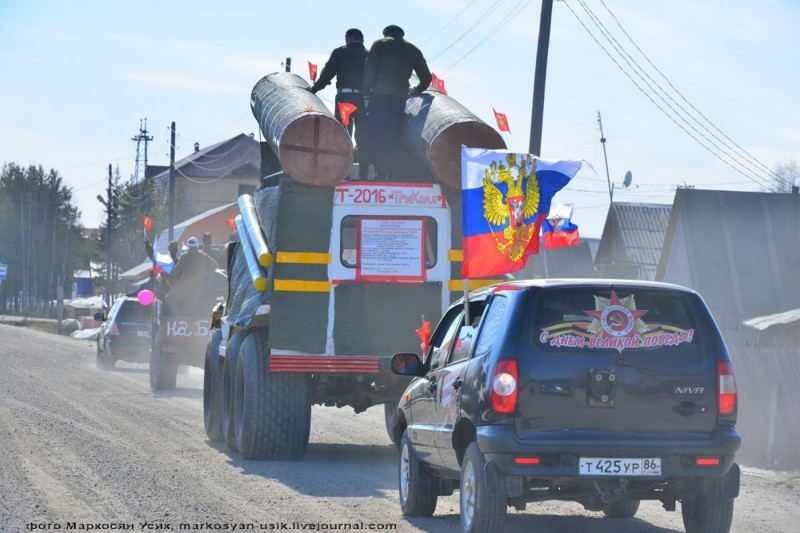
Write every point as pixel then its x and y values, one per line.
pixel 330 276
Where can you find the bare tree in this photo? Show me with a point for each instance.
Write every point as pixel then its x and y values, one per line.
pixel 787 175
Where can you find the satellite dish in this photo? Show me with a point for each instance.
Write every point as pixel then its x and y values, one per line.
pixel 628 179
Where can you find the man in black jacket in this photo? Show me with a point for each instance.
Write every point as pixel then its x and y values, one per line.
pixel 346 64
pixel 389 65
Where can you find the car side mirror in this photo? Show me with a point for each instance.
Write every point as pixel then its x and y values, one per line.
pixel 100 317
pixel 407 364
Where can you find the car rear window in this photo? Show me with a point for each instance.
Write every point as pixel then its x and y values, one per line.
pixel 603 319
pixel 133 312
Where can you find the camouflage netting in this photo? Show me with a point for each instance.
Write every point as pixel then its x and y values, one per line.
pixel 298 320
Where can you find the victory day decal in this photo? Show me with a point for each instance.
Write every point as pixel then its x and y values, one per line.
pixel 616 324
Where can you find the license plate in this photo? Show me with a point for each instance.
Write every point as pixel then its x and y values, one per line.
pixel 615 466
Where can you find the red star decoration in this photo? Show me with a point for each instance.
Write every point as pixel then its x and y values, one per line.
pixel 597 313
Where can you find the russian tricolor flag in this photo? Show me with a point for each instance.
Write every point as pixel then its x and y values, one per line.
pixel 558 230
pixel 506 197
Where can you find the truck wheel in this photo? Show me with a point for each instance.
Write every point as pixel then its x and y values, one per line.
pixel 273 411
pixel 390 418
pixel 622 509
pixel 417 497
pixel 480 511
pixel 707 514
pixel 212 389
pixel 228 387
pixel 163 368
pixel 104 362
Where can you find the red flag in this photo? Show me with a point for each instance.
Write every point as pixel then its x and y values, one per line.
pixel 502 121
pixel 312 71
pixel 148 223
pixel 231 222
pixel 424 333
pixel 345 110
pixel 438 83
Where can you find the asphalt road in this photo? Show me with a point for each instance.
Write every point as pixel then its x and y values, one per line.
pixel 84 449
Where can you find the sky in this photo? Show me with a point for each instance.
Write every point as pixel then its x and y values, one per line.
pixel 698 94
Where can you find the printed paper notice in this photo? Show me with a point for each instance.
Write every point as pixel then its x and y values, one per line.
pixel 392 248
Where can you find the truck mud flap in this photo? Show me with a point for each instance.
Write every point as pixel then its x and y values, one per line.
pixel 726 486
pixel 496 485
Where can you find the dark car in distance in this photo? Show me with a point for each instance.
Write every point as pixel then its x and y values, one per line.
pixel 124 334
pixel 602 392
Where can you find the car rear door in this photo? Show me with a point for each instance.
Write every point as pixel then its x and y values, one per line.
pixel 624 361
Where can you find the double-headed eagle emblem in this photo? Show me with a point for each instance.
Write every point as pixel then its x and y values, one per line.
pixel 513 208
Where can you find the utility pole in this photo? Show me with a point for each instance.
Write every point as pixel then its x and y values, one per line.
pixel 537 112
pixel 605 157
pixel 142 138
pixel 172 183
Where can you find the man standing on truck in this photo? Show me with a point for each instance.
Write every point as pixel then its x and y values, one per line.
pixel 389 65
pixel 346 63
pixel 189 279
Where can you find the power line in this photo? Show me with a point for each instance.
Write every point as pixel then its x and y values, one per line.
pixel 522 4
pixel 482 19
pixel 668 115
pixel 658 90
pixel 683 97
pixel 426 41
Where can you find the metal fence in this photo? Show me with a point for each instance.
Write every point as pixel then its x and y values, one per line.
pixel 768 382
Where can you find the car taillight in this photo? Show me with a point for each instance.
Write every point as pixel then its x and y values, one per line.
pixel 726 384
pixel 504 386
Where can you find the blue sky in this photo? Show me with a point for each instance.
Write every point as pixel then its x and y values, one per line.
pixel 77 77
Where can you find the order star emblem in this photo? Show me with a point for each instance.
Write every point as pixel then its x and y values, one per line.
pixel 616 318
pixel 482 393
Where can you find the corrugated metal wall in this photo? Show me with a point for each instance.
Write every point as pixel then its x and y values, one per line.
pixel 768 380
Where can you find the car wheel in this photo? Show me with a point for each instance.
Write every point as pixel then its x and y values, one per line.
pixel 212 389
pixel 480 511
pixel 104 362
pixel 229 387
pixel 622 509
pixel 417 497
pixel 707 514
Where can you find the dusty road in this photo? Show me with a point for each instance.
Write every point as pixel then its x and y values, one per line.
pixel 90 449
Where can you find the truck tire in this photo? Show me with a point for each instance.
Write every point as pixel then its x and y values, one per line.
pixel 104 361
pixel 621 509
pixel 707 514
pixel 163 367
pixel 480 511
pixel 212 389
pixel 417 496
pixel 272 411
pixel 228 388
pixel 390 418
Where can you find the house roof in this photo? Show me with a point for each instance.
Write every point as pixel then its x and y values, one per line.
pixel 236 156
pixel 739 250
pixel 566 262
pixel 761 323
pixel 634 235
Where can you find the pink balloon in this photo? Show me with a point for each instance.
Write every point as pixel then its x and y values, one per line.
pixel 146 297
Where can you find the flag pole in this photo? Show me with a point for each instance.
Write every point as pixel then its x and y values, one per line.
pixel 467 320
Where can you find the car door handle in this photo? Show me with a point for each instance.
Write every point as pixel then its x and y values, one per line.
pixel 432 386
pixel 457 384
pixel 688 408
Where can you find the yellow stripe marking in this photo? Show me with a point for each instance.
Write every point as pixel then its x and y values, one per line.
pixel 299 285
pixel 455 255
pixel 315 258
